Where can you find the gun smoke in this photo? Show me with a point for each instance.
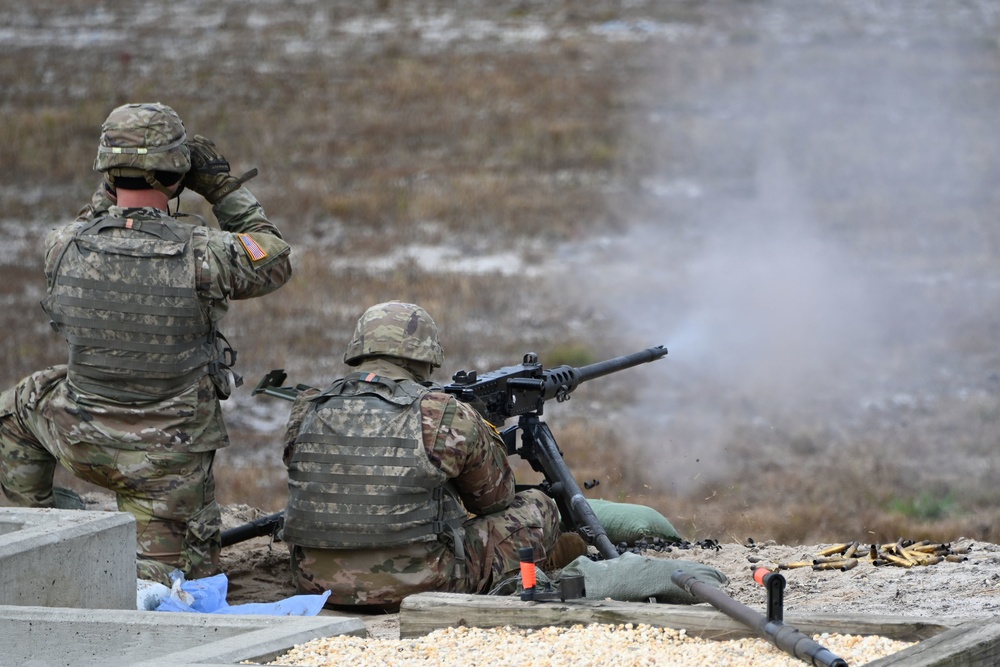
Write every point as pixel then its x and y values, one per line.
pixel 818 250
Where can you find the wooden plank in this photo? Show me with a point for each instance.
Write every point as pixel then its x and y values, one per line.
pixel 972 644
pixel 425 612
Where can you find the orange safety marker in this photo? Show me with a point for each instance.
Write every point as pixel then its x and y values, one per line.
pixel 774 582
pixel 526 555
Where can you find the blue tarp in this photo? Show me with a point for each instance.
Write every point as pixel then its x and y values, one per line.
pixel 208 596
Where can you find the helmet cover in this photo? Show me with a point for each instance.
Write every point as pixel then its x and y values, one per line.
pixel 141 138
pixel 395 329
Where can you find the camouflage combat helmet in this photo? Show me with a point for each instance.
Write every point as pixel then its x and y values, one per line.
pixel 138 140
pixel 395 329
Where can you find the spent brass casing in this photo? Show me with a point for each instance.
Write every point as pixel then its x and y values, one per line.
pixel 842 564
pixel 830 565
pixel 852 550
pixel 895 560
pixel 849 564
pixel 828 559
pixel 796 564
pixel 836 549
pixel 920 558
pixel 955 558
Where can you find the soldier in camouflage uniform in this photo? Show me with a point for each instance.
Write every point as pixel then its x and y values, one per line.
pixel 138 294
pixel 395 488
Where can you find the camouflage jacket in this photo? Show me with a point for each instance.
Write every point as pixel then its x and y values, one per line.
pixel 246 258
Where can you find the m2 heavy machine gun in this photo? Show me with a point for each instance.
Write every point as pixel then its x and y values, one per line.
pixel 521 391
pixel 512 391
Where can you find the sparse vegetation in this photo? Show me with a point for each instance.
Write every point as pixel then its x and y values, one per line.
pixel 374 145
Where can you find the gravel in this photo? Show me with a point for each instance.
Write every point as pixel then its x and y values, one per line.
pixel 624 645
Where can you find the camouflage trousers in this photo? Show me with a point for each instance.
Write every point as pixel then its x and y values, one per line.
pixel 381 578
pixel 171 495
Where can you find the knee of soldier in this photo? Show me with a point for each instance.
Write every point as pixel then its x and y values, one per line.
pixel 545 506
pixel 205 524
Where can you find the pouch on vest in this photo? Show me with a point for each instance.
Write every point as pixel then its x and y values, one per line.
pixel 224 378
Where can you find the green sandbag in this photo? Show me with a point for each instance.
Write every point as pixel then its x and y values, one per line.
pixel 635 578
pixel 630 523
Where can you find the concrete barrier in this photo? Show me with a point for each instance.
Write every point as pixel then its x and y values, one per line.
pixel 67 558
pixel 43 637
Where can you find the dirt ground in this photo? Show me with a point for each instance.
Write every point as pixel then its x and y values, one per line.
pixel 258 572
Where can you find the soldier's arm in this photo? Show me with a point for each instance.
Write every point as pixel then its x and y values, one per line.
pixel 55 244
pixel 469 451
pixel 249 258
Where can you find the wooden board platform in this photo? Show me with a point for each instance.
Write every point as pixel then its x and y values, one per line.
pixel 941 642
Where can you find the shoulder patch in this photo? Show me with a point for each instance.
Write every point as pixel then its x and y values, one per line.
pixel 254 251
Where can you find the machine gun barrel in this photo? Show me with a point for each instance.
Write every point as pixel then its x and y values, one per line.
pixel 561 380
pixel 265 525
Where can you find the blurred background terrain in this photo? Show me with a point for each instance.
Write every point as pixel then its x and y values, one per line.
pixel 800 200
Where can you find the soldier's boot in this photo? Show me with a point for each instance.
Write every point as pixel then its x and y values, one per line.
pixel 568 548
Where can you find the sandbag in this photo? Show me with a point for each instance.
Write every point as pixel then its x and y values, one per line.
pixel 635 578
pixel 629 523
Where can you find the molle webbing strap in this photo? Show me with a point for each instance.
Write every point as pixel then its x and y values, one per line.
pixel 313 532
pixel 136 346
pixel 339 440
pixel 345 482
pixel 361 481
pixel 134 308
pixel 421 514
pixel 345 459
pixel 194 331
pixel 107 381
pixel 80 359
pixel 142 290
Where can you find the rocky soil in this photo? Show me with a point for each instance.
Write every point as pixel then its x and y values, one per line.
pixel 970 589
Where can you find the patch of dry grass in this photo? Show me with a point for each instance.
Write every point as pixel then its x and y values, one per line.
pixel 369 144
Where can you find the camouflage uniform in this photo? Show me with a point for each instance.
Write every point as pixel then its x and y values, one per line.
pixel 153 448
pixel 468 453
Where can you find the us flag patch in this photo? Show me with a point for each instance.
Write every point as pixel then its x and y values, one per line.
pixel 255 251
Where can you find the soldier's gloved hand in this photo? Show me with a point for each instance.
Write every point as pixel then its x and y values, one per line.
pixel 209 174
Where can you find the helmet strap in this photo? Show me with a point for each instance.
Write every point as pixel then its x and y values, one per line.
pixel 150 178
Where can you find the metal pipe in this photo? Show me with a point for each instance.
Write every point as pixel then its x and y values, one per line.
pixel 785 637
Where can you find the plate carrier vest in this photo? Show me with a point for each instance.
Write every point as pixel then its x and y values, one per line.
pixel 360 476
pixel 123 296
